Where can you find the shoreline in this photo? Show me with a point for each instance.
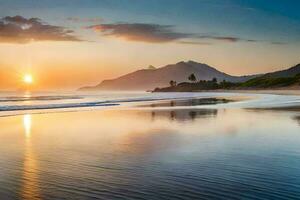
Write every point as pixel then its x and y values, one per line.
pixel 247 91
pixel 94 104
pixel 261 91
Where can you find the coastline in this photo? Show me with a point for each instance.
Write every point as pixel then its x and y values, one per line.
pixel 279 91
pixel 261 91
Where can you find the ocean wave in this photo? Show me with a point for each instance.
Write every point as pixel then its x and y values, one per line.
pixel 112 102
pixel 55 106
pixel 83 101
pixel 37 98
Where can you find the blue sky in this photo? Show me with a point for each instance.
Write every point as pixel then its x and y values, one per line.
pixel 106 38
pixel 273 20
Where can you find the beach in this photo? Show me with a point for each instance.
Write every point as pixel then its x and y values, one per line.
pixel 159 147
pixel 280 91
pixel 149 100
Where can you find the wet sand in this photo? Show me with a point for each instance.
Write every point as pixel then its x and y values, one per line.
pixel 179 152
pixel 250 91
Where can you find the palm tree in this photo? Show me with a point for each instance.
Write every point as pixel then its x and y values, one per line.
pixel 192 78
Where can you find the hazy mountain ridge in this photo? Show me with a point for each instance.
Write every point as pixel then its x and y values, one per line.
pixel 147 79
pixel 292 71
pixel 288 79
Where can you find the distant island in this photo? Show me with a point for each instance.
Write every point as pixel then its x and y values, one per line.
pixel 263 82
pixel 151 77
pixel 193 76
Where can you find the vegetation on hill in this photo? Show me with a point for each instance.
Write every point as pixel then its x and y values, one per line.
pixel 262 82
pixel 269 82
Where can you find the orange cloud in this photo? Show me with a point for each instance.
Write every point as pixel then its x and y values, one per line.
pixel 18 29
pixel 152 33
pixel 155 33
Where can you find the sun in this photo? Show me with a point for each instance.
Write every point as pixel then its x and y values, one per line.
pixel 28 78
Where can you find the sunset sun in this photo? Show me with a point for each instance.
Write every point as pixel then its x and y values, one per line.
pixel 28 78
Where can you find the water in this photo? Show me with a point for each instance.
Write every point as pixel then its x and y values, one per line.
pixel 247 149
pixel 14 103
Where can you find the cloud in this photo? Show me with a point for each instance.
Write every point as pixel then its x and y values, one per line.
pixel 194 42
pixel 226 38
pixel 18 29
pixel 155 33
pixel 152 33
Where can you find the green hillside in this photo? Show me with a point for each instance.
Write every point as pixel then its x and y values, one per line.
pixel 262 82
pixel 270 82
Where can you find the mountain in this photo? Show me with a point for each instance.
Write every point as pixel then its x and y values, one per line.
pixel 148 79
pixel 278 79
pixel 290 72
pixel 284 79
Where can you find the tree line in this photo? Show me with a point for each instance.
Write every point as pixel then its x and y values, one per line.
pixel 192 78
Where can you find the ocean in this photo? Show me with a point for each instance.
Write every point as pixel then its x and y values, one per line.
pixel 136 145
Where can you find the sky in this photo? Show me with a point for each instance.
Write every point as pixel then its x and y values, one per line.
pixel 66 44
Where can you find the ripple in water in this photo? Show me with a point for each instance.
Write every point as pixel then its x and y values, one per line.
pixel 170 153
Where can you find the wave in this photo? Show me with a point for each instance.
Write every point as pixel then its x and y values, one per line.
pixel 55 106
pixel 83 101
pixel 38 98
pixel 83 104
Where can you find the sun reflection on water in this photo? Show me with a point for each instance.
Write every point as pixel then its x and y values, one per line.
pixel 27 125
pixel 30 187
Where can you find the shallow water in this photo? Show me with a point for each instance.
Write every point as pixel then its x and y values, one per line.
pixel 22 103
pixel 182 151
pixel 25 103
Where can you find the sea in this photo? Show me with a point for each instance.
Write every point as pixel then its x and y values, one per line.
pixel 138 145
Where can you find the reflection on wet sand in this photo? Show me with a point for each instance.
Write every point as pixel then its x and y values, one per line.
pixel 169 109
pixel 189 102
pixel 30 185
pixel 27 125
pixel 183 114
pixel 152 153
